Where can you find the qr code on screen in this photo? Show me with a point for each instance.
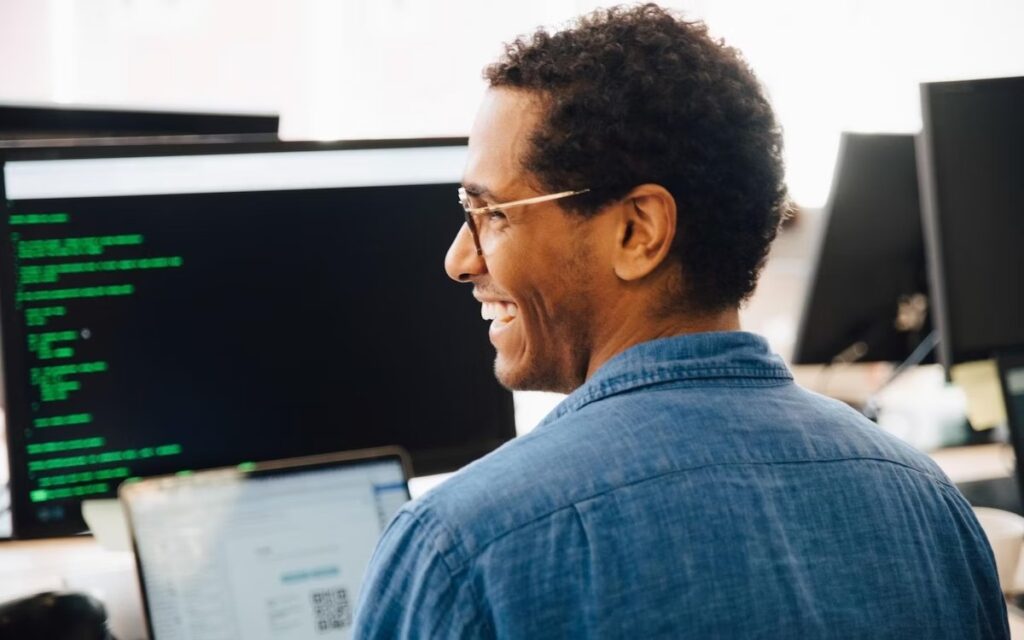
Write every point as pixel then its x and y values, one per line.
pixel 332 609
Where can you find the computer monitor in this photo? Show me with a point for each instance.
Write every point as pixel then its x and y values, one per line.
pixel 175 308
pixel 54 121
pixel 868 298
pixel 971 171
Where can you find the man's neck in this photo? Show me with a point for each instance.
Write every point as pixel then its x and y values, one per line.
pixel 631 334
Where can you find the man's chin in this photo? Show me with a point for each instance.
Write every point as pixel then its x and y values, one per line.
pixel 506 376
pixel 524 378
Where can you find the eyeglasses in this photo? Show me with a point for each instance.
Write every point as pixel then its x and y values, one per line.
pixel 472 212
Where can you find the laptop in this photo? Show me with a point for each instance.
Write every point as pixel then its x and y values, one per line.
pixel 262 550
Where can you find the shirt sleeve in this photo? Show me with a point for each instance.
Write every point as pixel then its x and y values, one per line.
pixel 409 591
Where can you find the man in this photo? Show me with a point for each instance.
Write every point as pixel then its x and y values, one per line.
pixel 622 188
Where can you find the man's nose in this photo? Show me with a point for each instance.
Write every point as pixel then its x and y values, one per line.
pixel 462 261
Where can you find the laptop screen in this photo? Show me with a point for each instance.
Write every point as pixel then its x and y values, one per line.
pixel 281 554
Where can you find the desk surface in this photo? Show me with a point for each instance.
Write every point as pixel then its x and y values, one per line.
pixel 76 564
pixel 978 462
pixel 1016 625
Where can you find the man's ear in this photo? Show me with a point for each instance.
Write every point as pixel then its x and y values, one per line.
pixel 646 231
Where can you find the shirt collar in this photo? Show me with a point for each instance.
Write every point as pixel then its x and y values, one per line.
pixel 693 356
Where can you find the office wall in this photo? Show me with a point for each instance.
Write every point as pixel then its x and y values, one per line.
pixel 855 65
pixel 333 69
pixel 385 68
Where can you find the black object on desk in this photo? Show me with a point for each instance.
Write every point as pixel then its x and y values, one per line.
pixel 54 616
pixel 996 493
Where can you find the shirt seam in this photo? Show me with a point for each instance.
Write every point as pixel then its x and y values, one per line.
pixel 470 557
pixel 621 384
pixel 425 518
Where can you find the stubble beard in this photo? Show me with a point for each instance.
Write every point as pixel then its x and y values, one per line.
pixel 542 372
pixel 560 367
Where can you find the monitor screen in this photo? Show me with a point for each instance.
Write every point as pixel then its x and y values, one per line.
pixel 971 167
pixel 177 311
pixel 868 300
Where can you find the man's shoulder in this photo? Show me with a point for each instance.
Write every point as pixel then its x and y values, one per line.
pixel 525 480
pixel 626 439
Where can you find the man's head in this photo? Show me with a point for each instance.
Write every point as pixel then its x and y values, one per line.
pixel 677 153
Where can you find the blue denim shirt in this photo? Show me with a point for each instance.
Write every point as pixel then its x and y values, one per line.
pixel 689 489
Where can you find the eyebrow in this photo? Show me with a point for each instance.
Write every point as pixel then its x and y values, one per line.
pixel 480 191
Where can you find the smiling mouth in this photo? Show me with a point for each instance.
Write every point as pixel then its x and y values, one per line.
pixel 500 313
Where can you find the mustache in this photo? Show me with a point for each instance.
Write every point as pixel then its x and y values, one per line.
pixel 490 292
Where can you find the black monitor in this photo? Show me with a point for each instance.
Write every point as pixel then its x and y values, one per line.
pixel 971 170
pixel 55 121
pixel 868 297
pixel 174 308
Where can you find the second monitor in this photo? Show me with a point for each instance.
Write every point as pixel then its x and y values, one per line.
pixel 868 299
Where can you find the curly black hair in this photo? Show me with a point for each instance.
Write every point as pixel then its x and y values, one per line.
pixel 635 95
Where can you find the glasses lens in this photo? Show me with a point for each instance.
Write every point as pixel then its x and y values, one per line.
pixel 470 222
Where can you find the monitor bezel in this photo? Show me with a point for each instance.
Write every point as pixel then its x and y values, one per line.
pixel 35 121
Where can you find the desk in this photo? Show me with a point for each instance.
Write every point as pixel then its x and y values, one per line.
pixel 976 464
pixel 76 564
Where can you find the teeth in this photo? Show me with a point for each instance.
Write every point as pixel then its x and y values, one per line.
pixel 498 310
